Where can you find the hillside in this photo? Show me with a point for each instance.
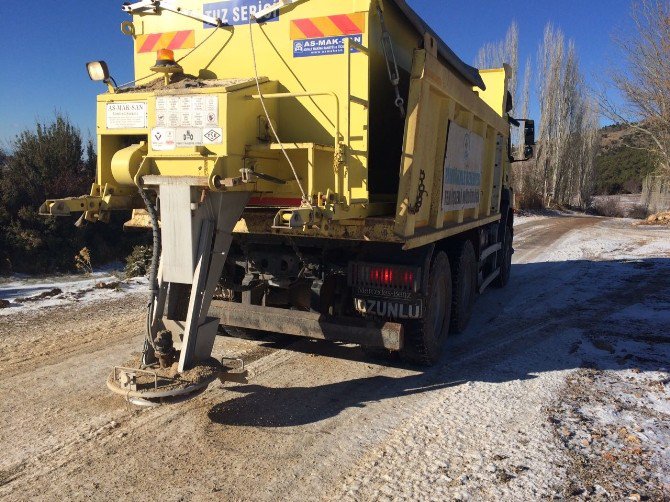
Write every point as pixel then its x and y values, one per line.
pixel 621 164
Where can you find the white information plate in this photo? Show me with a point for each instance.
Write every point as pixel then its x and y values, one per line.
pixel 187 111
pixel 462 169
pixel 188 136
pixel 212 136
pixel 168 138
pixel 127 115
pixel 186 121
pixel 163 139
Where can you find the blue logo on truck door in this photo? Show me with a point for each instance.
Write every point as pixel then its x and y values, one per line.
pixel 237 12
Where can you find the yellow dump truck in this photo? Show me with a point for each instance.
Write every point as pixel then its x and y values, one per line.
pixel 326 169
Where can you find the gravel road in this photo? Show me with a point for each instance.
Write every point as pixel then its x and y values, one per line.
pixel 319 421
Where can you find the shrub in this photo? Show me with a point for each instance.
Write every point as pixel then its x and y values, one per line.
pixel 52 161
pixel 139 261
pixel 638 212
pixel 529 200
pixel 47 162
pixel 608 206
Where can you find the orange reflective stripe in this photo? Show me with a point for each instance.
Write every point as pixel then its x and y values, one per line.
pixel 328 26
pixel 172 40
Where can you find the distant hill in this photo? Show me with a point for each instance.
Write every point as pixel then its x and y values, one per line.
pixel 621 165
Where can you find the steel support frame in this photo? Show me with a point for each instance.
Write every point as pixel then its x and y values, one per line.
pixel 212 217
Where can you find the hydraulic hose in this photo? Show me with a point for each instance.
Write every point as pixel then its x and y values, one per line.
pixel 148 356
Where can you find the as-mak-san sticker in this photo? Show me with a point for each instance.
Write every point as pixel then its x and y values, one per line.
pixel 325 36
pixel 127 115
pixel 238 12
pixel 322 46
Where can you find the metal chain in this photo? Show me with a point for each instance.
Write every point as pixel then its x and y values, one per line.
pixel 419 196
pixel 391 63
pixel 297 252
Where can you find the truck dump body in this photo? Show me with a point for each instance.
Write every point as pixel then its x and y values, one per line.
pixel 332 158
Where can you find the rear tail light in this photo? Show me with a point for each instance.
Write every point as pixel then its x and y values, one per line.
pixel 385 276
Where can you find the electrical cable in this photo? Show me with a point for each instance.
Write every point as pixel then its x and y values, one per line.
pixel 267 115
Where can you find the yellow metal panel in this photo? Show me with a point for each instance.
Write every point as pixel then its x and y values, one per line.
pixel 495 94
pixel 433 85
pixel 226 53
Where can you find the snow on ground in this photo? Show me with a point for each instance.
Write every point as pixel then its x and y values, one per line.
pixel 559 389
pixel 523 216
pixel 580 412
pixel 618 240
pixel 613 416
pixel 25 293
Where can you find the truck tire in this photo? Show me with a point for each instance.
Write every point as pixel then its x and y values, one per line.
pixel 464 276
pixel 505 259
pixel 425 338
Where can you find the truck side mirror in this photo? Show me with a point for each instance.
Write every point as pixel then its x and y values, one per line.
pixel 528 136
pixel 529 132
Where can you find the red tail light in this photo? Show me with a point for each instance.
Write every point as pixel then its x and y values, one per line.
pixel 387 276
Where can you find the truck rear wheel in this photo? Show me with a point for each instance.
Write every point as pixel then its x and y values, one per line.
pixel 425 338
pixel 464 274
pixel 505 260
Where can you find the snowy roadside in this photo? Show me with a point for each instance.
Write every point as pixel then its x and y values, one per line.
pixel 19 294
pixel 613 414
pixel 524 216
pixel 573 403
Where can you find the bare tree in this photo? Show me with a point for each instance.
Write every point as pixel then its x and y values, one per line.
pixel 505 52
pixel 568 135
pixel 645 82
pixel 523 176
pixel 495 55
pixel 550 64
pixel 524 106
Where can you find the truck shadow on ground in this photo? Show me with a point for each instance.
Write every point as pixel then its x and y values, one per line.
pixel 552 316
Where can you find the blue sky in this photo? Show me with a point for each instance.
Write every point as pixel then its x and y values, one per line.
pixel 45 45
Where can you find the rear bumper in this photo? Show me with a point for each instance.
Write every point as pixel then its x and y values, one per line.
pixel 387 335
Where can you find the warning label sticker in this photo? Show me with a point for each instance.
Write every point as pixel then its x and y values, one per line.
pixel 326 46
pixel 185 121
pixel 187 111
pixel 127 115
pixel 462 169
pixel 212 136
pixel 162 139
pixel 188 137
